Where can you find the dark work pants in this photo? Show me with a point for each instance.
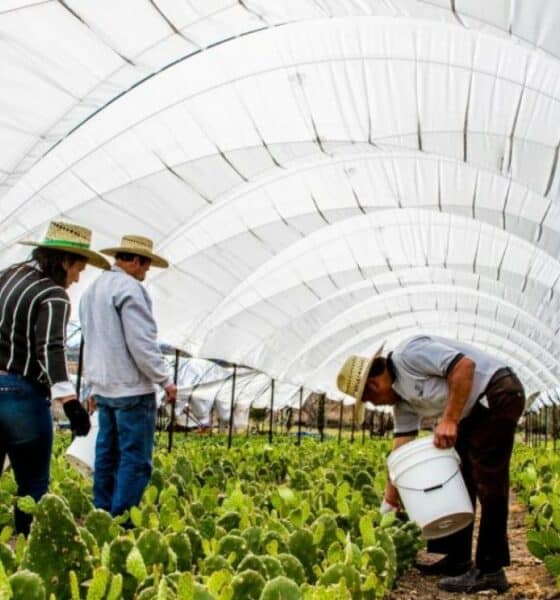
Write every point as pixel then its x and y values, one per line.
pixel 123 452
pixel 485 443
pixel 26 436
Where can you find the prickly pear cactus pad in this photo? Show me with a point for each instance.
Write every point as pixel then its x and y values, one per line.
pixel 55 547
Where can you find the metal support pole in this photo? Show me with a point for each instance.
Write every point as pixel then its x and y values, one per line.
pixel 271 411
pixel 80 369
pixel 187 411
pixel 536 428
pixel 364 426
pixel 353 427
pixel 545 426
pixel 321 417
pixel 231 407
pixel 299 416
pixel 554 427
pixel 172 421
pixel 340 421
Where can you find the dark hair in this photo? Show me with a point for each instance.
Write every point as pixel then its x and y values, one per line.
pixel 378 366
pixel 129 257
pixel 51 262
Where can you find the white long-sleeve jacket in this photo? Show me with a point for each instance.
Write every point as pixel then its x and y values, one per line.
pixel 121 354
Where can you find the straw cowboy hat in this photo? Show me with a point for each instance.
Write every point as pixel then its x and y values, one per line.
pixel 71 238
pixel 139 245
pixel 352 379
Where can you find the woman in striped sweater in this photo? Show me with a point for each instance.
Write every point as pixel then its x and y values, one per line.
pixel 34 312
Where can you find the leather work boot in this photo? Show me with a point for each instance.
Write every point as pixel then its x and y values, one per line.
pixel 475 581
pixel 445 566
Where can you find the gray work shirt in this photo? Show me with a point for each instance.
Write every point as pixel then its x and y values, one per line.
pixel 121 354
pixel 422 364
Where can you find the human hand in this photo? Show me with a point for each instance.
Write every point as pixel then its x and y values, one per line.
pixel 171 392
pixel 91 404
pixel 445 434
pixel 77 415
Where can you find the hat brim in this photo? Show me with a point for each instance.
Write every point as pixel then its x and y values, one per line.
pixel 359 404
pixel 157 261
pixel 93 258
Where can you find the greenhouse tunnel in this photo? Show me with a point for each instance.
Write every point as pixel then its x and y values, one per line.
pixel 327 179
pixel 323 175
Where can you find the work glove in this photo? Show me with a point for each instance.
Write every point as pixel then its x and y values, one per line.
pixel 387 508
pixel 78 417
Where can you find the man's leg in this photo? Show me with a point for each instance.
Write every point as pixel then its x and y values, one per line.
pixel 136 427
pixel 106 458
pixel 456 547
pixel 490 449
pixel 490 452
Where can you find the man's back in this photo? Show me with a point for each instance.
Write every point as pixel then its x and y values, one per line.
pixel 121 354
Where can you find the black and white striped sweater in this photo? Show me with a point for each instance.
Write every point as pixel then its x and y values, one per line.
pixel 34 313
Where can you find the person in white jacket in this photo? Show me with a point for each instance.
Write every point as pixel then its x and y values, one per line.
pixel 123 364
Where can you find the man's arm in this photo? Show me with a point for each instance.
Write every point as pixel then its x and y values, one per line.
pixel 460 381
pixel 140 332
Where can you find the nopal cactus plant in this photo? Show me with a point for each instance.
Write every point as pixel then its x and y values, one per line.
pixel 27 586
pixel 153 547
pixel 281 588
pixel 55 546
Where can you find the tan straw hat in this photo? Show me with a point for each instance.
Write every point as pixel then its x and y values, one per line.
pixel 71 238
pixel 139 245
pixel 352 378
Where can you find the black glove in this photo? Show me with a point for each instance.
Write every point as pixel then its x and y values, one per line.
pixel 78 417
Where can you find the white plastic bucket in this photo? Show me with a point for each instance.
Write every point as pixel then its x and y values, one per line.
pixel 81 452
pixel 431 487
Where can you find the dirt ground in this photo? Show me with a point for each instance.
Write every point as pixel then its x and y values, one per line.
pixel 528 576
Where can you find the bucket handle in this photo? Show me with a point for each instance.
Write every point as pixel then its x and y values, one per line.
pixel 430 489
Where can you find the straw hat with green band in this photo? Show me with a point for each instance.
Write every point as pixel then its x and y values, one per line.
pixel 71 238
pixel 140 246
pixel 352 379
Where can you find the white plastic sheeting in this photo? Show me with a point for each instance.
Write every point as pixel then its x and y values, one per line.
pixel 213 390
pixel 546 399
pixel 322 175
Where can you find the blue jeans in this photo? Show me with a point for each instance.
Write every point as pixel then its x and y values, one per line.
pixel 26 436
pixel 123 453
